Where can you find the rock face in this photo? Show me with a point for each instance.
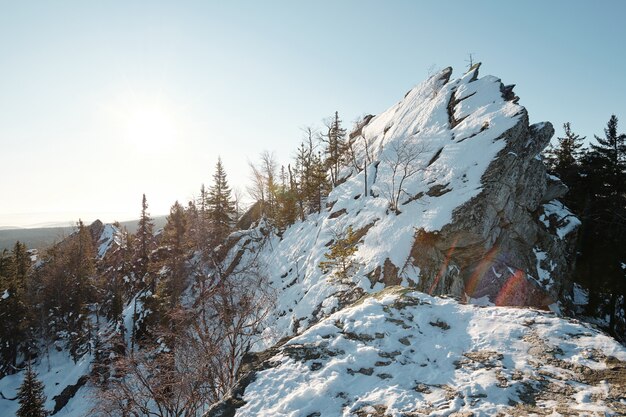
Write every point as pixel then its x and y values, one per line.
pixel 491 246
pixel 403 353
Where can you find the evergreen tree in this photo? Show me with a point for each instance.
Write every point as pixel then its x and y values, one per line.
pixel 31 396
pixel 608 164
pixel 80 276
pixel 302 179
pixel 339 258
pixel 13 305
pixel 564 162
pixel 286 200
pixel 203 220
pixel 311 181
pixel 335 147
pixel 145 238
pixel 220 207
pixel 320 185
pixel 604 223
pixel 174 240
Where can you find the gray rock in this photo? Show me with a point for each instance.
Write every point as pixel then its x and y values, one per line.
pixel 489 247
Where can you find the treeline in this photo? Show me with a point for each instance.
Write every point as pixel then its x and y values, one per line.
pixel 596 177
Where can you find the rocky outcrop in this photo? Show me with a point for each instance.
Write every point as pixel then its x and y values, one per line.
pixel 490 248
pixel 459 203
pixel 404 353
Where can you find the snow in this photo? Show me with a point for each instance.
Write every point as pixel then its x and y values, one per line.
pixel 56 370
pixel 565 220
pixel 581 296
pixel 545 278
pixel 5 295
pixel 411 352
pixel 110 235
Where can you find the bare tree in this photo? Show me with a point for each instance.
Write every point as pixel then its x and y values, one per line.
pixel 358 136
pixel 404 161
pixel 197 360
pixel 238 198
pixel 263 188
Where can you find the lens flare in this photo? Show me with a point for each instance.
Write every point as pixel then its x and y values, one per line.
pixel 510 293
pixel 444 267
pixel 480 271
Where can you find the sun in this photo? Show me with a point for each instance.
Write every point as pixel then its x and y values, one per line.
pixel 150 125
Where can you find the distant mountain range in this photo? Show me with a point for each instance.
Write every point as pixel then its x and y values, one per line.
pixel 43 237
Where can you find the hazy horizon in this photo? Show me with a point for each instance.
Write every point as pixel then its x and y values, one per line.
pixel 102 102
pixel 45 220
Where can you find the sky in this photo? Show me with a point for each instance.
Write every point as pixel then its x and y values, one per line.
pixel 103 101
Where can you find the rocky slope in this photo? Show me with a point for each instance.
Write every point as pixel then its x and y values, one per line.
pixel 403 353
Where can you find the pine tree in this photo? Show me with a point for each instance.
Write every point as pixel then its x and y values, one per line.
pixel 608 161
pixel 31 396
pixel 203 220
pixel 145 237
pixel 174 234
pixel 80 274
pixel 335 147
pixel 286 200
pixel 564 160
pixel 13 305
pixel 339 258
pixel 604 223
pixel 220 206
pixel 320 185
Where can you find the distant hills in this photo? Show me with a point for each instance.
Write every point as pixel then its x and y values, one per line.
pixel 43 237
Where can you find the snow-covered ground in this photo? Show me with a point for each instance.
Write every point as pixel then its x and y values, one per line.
pixel 56 371
pixel 402 353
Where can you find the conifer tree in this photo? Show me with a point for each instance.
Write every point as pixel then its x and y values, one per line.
pixel 335 147
pixel 286 200
pixel 320 183
pixel 604 223
pixel 302 179
pixel 220 207
pixel 564 159
pixel 144 243
pixel 80 274
pixel 31 396
pixel 13 305
pixel 174 234
pixel 145 237
pixel 310 176
pixel 608 161
pixel 203 220
pixel 339 258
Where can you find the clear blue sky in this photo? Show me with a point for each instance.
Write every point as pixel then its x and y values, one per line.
pixel 85 85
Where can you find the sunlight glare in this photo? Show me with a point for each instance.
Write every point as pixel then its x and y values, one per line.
pixel 150 126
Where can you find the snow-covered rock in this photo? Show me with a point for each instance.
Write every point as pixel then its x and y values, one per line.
pixel 403 353
pixel 469 221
